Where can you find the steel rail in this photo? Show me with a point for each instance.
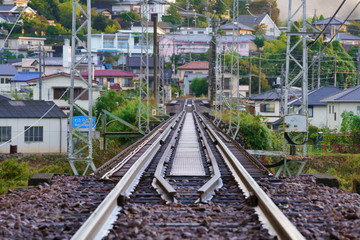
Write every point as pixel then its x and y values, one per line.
pixel 98 223
pixel 207 191
pixel 278 221
pixel 163 187
pixel 124 155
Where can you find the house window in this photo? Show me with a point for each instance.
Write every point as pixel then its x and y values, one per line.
pixel 268 107
pixel 126 82
pixel 108 43
pixel 333 109
pixel 34 134
pixel 58 93
pixel 5 134
pixel 122 43
pixel 329 109
pixel 110 80
pixel 311 111
pixel 242 46
pixel 334 116
pixel 358 110
pixel 227 83
pixel 2 80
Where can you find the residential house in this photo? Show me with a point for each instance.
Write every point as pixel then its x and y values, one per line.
pixel 105 12
pixel 348 40
pixel 332 26
pixel 24 45
pixel 7 72
pixel 236 29
pixel 31 126
pixel 49 65
pixel 19 81
pixel 124 43
pixel 114 79
pixel 12 10
pixel 158 7
pixel 188 78
pixel 162 27
pixel 259 19
pixel 346 100
pixel 194 30
pixel 55 87
pixel 316 108
pixel 268 104
pixel 186 44
pixel 7 19
pixel 19 3
pixel 197 67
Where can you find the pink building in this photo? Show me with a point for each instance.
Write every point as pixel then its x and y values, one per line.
pixel 180 44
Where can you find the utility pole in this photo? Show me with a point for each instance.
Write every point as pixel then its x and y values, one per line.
pixel 259 73
pixel 250 75
pixel 358 66
pixel 312 76
pixel 40 80
pixel 154 18
pixel 212 65
pixel 319 69
pixel 335 71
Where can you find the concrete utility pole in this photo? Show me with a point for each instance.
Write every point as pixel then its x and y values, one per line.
pixel 212 65
pixel 335 71
pixel 250 75
pixel 80 135
pixel 319 69
pixel 40 80
pixel 259 73
pixel 358 66
pixel 154 18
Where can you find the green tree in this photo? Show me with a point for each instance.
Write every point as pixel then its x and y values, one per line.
pixel 129 16
pixel 199 86
pixel 351 125
pixel 261 29
pixel 354 28
pixel 259 42
pixel 49 8
pixel 266 6
pixel 172 16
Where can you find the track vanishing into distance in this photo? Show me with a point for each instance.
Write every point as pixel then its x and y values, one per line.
pixel 184 180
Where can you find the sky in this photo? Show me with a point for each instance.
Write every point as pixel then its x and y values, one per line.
pixel 325 7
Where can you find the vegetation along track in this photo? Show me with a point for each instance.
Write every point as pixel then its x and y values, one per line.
pixel 205 203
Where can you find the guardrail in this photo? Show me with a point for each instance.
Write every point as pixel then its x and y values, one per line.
pixel 163 187
pixel 282 226
pixel 97 225
pixel 207 191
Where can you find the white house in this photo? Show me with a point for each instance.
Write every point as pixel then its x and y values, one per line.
pixel 23 45
pixel 258 19
pixel 7 72
pixel 32 127
pixel 347 100
pixel 316 108
pixel 54 87
pixel 268 104
pixel 155 7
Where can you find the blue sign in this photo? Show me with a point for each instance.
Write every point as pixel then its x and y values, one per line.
pixel 83 126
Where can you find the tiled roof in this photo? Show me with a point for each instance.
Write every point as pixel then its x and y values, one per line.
pixel 203 38
pixel 346 36
pixel 111 73
pixel 276 94
pixel 335 21
pixel 36 78
pixel 29 109
pixel 25 76
pixel 251 20
pixel 7 70
pixel 236 26
pixel 136 61
pixel 315 96
pixel 7 8
pixel 348 95
pixel 196 65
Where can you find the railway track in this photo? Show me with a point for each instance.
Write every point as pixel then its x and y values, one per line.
pixel 208 191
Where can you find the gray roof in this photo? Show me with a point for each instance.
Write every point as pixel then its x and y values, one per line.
pixel 25 76
pixel 206 38
pixel 315 96
pixel 49 61
pixel 4 98
pixel 334 21
pixel 7 70
pixel 346 36
pixel 251 20
pixel 348 95
pixel 276 94
pixel 29 109
pixel 236 26
pixel 136 61
pixel 6 8
pixel 9 19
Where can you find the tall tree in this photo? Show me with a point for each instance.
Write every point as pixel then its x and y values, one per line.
pixel 48 9
pixel 172 16
pixel 266 6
